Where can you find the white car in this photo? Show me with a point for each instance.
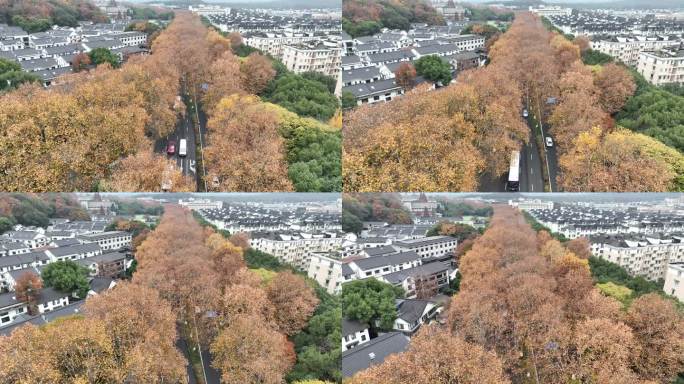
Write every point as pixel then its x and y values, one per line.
pixel 549 142
pixel 525 113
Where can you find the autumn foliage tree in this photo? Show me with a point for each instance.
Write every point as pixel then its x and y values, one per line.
pixel 245 150
pixel 28 288
pixel 406 76
pixel 294 302
pixel 437 356
pixel 247 352
pixel 257 72
pixel 527 308
pixel 615 85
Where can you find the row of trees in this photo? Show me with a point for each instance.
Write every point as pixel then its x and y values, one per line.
pixel 126 334
pixel 243 319
pixel 253 145
pixel 527 311
pixel 594 153
pixel 408 144
pixel 74 136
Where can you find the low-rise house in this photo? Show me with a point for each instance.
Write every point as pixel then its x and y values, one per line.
pixel 373 352
pixel 354 333
pixel 428 246
pixel 430 278
pixel 413 313
pixel 111 240
pixel 31 239
pixel 109 265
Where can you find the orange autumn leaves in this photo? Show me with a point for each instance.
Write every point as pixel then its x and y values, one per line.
pixel 200 272
pixel 186 274
pixel 445 140
pixel 527 308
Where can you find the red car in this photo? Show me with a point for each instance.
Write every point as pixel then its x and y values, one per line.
pixel 171 147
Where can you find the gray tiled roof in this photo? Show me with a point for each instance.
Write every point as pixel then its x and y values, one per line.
pixel 359 358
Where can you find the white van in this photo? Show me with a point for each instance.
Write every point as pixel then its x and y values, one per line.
pixel 183 149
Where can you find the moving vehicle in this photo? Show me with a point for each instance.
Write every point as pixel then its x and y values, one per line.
pixel 183 150
pixel 549 141
pixel 171 147
pixel 513 183
pixel 525 113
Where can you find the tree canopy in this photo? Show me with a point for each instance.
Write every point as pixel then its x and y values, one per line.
pixel 67 276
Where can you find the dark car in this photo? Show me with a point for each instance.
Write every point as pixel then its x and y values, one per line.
pixel 171 147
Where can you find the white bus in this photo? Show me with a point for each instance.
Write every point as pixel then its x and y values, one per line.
pixel 183 150
pixel 513 183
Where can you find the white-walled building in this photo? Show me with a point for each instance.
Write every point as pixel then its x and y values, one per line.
pixel 673 280
pixel 326 270
pixel 645 256
pixel 321 57
pixel 197 204
pixel 551 10
pixel 526 205
pixel 426 247
pixel 112 240
pixel 628 48
pixel 662 67
pixel 274 43
pixel 353 333
pixel 296 248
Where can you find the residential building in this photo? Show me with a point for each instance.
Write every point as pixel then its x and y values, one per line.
pixel 353 333
pixel 662 67
pixel 373 352
pixel 426 247
pixel 640 255
pixel 673 280
pixel 198 204
pixel 413 313
pixel 319 56
pixel 549 10
pixel 326 270
pixel 628 48
pixel 112 240
pixel 296 248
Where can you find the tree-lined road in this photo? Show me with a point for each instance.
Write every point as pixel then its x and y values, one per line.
pixel 531 176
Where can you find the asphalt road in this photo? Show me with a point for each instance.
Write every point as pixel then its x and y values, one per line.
pixel 184 130
pixel 213 375
pixel 183 347
pixel 531 176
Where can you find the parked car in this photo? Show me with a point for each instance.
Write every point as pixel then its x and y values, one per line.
pixel 525 113
pixel 171 147
pixel 549 142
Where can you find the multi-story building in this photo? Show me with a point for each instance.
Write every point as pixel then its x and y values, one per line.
pixel 628 48
pixel 547 10
pixel 274 43
pixel 197 204
pixel 326 270
pixel 112 240
pixel 428 247
pixel 30 239
pixel 662 67
pixel 296 248
pixel 319 56
pixel 110 264
pixel 640 256
pixel 527 205
pixel 673 280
